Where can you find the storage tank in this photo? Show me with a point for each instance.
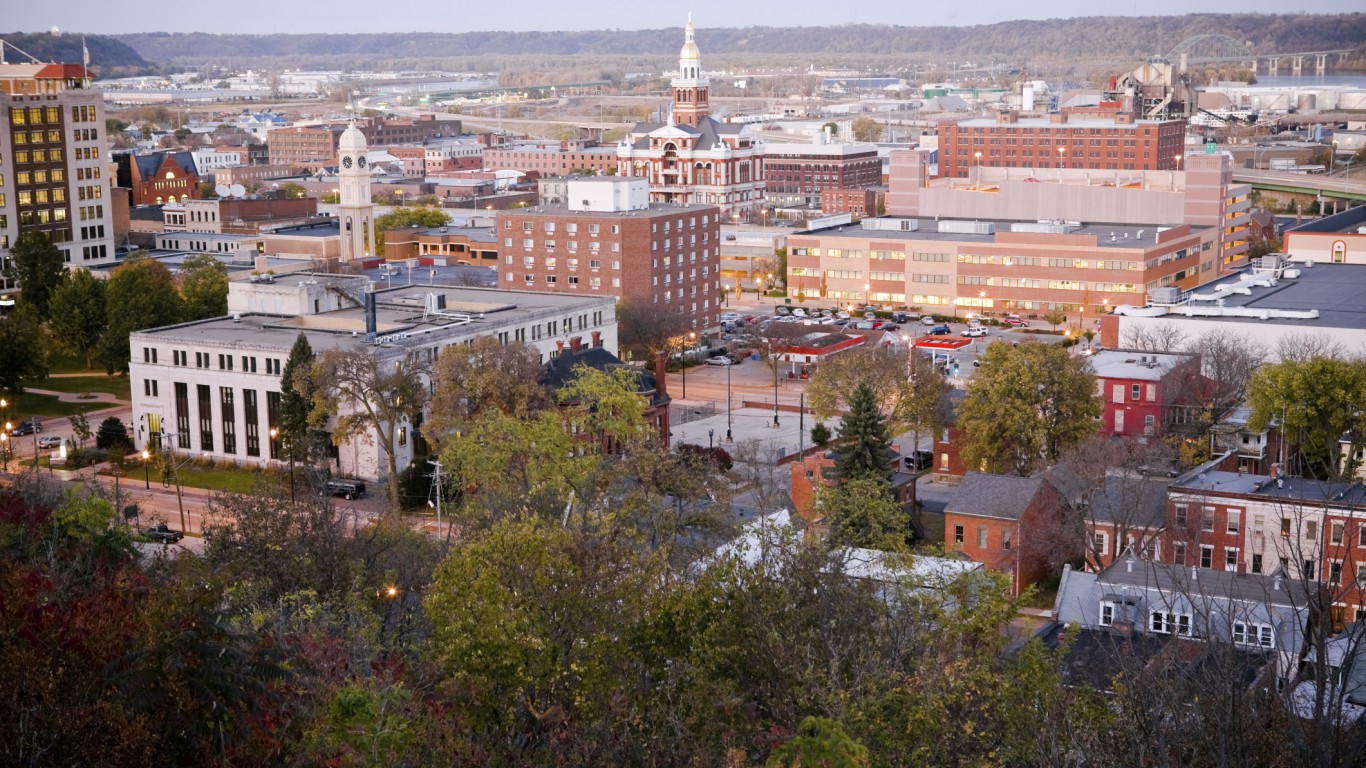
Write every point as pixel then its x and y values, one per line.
pixel 1027 99
pixel 1354 101
pixel 1306 102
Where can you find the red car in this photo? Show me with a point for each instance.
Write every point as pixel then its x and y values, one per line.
pixel 1016 322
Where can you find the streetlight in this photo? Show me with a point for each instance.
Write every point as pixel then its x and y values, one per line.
pixel 1062 160
pixel 1179 158
pixel 4 447
pixel 978 171
pixel 147 469
pixel 275 433
pixel 866 289
pixel 728 406
pixel 1332 155
pixel 691 335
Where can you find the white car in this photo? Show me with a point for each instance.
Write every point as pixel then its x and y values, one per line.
pixel 730 317
pixel 49 441
pixel 976 330
pixel 927 320
pixel 799 312
pixel 719 360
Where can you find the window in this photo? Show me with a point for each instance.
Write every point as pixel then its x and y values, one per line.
pixel 1207 519
pixel 1005 539
pixel 1335 572
pixel 1167 623
pixel 981 537
pixel 1100 542
pixel 1361 574
pixel 1245 633
pixel 1230 559
pixel 1135 391
pixel 1234 518
pixel 958 534
pixel 1206 556
pixel 1257 563
pixel 1107 613
pixel 1311 529
pixel 1181 514
pixel 1179 553
pixel 1337 532
pixel 1285 527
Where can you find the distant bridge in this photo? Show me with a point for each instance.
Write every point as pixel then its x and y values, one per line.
pixel 1321 185
pixel 1221 49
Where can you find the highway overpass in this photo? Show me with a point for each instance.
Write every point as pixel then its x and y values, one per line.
pixel 1318 184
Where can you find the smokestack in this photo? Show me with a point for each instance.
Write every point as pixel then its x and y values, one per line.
pixel 370 322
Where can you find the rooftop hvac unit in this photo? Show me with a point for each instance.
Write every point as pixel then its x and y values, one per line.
pixel 968 227
pixel 1165 295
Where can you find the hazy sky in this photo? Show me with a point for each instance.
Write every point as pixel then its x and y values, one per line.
pixel 292 16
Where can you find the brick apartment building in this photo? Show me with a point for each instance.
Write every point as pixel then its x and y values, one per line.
pixel 245 216
pixel 551 158
pixel 797 174
pixel 315 146
pixel 608 239
pixel 53 172
pixel 1146 394
pixel 1010 141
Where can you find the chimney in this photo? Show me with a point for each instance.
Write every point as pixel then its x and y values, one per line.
pixel 1123 628
pixel 559 347
pixel 576 344
pixel 597 338
pixel 661 373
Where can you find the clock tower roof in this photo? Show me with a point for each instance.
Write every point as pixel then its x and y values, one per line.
pixel 352 140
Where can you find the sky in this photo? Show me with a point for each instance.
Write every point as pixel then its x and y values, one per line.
pixel 343 16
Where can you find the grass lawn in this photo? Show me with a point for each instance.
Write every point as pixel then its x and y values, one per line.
pixel 59 362
pixel 217 479
pixel 115 385
pixel 48 406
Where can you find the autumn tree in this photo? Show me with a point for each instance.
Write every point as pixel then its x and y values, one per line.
pixel 485 375
pixel 646 331
pixel 78 319
pixel 1025 406
pixel 36 265
pixel 820 742
pixel 867 129
pixel 23 352
pixel 370 396
pixel 140 294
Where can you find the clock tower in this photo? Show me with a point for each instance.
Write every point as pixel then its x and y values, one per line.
pixel 690 88
pixel 354 209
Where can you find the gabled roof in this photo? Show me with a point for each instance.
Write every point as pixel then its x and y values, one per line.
pixel 1000 496
pixel 560 370
pixel 708 133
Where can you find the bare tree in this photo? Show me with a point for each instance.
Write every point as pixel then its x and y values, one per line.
pixel 646 330
pixel 1109 501
pixel 1153 337
pixel 1300 347
pixel 1228 358
pixel 371 396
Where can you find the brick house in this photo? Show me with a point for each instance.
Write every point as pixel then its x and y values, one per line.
pixel 996 520
pixel 817 469
pixel 158 177
pixel 562 369
pixel 948 458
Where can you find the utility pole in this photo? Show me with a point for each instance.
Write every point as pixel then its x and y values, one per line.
pixel 436 481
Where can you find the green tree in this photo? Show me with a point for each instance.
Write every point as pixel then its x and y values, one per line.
pixel 370 395
pixel 408 216
pixel 1316 401
pixel 77 319
pixel 23 353
pixel 1025 406
pixel 294 190
pixel 141 294
pixel 36 264
pixel 485 375
pixel 863 440
pixel 820 743
pixel 882 368
pixel 862 513
pixel 113 435
pixel 867 129
pixel 204 286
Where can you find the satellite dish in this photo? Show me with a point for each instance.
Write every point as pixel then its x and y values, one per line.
pixel 238 190
pixel 222 190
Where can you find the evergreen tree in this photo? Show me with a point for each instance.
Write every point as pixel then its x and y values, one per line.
pixel 301 438
pixel 863 453
pixel 77 317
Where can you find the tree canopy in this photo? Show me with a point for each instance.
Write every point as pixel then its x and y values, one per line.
pixel 1316 401
pixel 36 264
pixel 862 453
pixel 408 216
pixel 1025 406
pixel 77 319
pixel 140 294
pixel 23 351
pixel 204 287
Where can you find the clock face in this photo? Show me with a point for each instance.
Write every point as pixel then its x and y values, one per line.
pixel 346 162
pixel 360 162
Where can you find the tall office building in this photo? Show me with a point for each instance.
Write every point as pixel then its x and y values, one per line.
pixel 52 162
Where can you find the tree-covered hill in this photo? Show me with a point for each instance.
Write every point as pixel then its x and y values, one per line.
pixel 109 56
pixel 1106 36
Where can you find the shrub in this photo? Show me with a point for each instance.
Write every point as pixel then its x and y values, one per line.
pixel 820 434
pixel 113 435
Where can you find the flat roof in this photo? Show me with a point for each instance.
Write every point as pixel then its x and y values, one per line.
pixel 1289 488
pixel 399 310
pixel 1125 235
pixel 655 209
pixel 1121 364
pixel 1043 122
pixel 1337 291
pixel 1347 222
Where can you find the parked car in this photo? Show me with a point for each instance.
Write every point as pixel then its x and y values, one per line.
pixel 927 320
pixel 348 489
pixel 799 312
pixel 50 441
pixel 842 315
pixel 918 460
pixel 939 330
pixel 164 534
pixel 27 427
pixel 719 360
pixel 975 331
pixel 1016 322
pixel 900 317
pixel 890 327
pixel 865 325
pixel 730 317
